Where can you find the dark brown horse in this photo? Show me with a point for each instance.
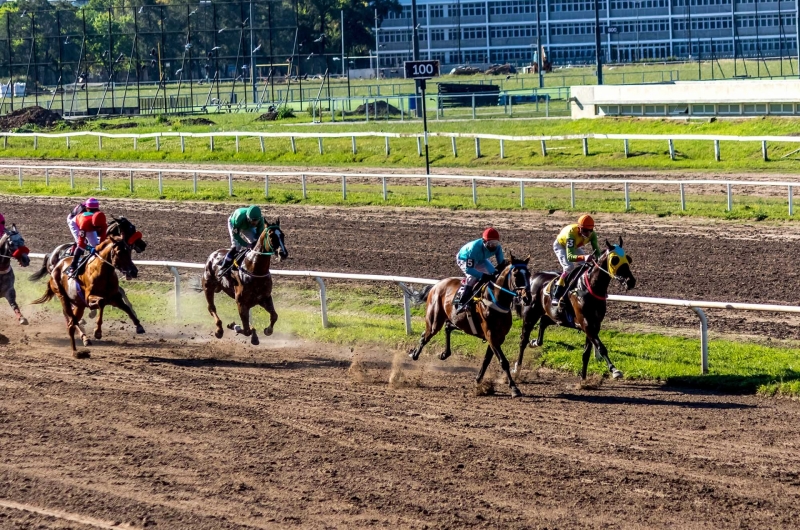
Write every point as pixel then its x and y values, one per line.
pixel 584 307
pixel 489 320
pixel 96 287
pixel 250 284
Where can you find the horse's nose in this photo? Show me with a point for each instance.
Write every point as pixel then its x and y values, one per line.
pixel 134 272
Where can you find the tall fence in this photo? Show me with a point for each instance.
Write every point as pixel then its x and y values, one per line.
pixel 695 305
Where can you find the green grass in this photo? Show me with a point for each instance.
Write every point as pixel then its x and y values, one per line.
pixel 650 155
pixel 373 316
pixel 364 192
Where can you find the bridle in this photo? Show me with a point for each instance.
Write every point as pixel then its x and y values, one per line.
pixel 271 252
pixel 513 292
pixel 596 265
pixel 121 243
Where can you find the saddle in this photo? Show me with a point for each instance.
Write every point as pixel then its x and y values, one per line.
pixel 236 260
pixel 564 309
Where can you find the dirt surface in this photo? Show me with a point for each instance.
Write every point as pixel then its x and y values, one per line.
pixel 697 259
pixel 172 430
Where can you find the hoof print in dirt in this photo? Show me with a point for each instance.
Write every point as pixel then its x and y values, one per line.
pixel 82 354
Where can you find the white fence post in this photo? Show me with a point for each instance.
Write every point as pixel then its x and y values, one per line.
pixel 730 198
pixel 130 180
pixel 572 194
pixel 353 142
pixel 158 143
pixel 474 192
pixel 428 188
pixel 266 186
pixel 453 142
pixel 627 147
pixel 764 150
pixel 502 150
pixel 323 301
pixel 419 146
pixel 716 151
pixel 473 106
pixel 383 187
pixel 19 174
pixel 72 179
pixel 261 143
pixel 160 183
pixel 627 198
pixel 303 181
pixel 237 143
pixel 47 177
pixel 183 144
pixel 344 187
pixel 406 307
pixel 671 149
pixel 585 147
pixel 294 145
pixel 386 141
pixel 35 142
pixel 177 278
pixel 100 180
pixel 100 143
pixel 230 184
pixel 319 141
pixel 194 182
pixel 683 198
pixel 211 143
pixel 477 147
pixel 703 339
pixel 544 148
pixel 791 202
pixel 522 194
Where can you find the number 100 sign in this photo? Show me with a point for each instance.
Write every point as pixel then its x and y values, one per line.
pixel 421 69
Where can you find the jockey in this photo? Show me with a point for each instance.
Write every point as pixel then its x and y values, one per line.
pixel 88 226
pixel 473 260
pixel 567 247
pixel 244 226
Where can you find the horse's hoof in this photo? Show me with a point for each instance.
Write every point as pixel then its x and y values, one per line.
pixel 83 354
pixel 98 334
pixel 444 355
pixel 82 322
pixel 23 321
pixel 93 313
pixel 534 343
pixel 232 325
pixel 267 331
pixel 616 374
pixel 515 369
pixel 139 329
pixel 254 339
pixel 515 392
pixel 86 341
pixel 218 333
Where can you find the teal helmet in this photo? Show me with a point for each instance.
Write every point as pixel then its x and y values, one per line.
pixel 254 214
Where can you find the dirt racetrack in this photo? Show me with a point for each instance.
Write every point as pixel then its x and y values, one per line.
pixel 171 431
pixel 688 258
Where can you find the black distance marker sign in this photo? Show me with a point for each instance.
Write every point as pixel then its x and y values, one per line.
pixel 421 69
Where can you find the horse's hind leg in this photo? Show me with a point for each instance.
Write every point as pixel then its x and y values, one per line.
pixel 504 365
pixel 601 349
pixel 245 329
pixel 269 307
pixel 212 308
pixel 98 327
pixel 448 329
pixel 119 302
pixel 433 323
pixel 11 296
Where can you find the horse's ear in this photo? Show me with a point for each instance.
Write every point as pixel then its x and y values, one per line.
pixel 278 221
pixel 620 241
pixel 511 256
pixel 527 259
pixel 609 245
pixel 14 227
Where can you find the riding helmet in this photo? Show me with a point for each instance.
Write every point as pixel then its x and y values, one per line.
pixel 490 234
pixel 92 203
pixel 586 222
pixel 253 213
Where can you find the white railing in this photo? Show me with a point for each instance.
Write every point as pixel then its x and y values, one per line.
pixel 477 137
pixel 696 305
pixel 303 176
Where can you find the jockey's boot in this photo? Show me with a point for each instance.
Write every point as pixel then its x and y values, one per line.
pixel 74 267
pixel 227 263
pixel 558 294
pixel 462 298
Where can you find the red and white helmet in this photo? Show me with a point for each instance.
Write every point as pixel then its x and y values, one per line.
pixel 92 203
pixel 490 234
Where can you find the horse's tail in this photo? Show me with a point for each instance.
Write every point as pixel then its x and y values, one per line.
pixel 417 297
pixel 38 275
pixel 46 297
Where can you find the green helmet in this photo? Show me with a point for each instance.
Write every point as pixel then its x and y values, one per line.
pixel 254 213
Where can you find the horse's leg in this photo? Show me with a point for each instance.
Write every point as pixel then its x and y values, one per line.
pixel 11 296
pixel 118 302
pixel 504 365
pixel 98 330
pixel 530 316
pixel 603 351
pixel 125 299
pixel 587 353
pixel 434 320
pixel 212 308
pixel 245 329
pixel 487 358
pixel 544 322
pixel 269 307
pixel 448 329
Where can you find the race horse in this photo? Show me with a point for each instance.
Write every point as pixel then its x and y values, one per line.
pixel 584 306
pixel 120 227
pixel 249 283
pixel 12 246
pixel 488 319
pixel 95 287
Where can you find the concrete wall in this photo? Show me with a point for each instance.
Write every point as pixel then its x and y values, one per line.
pixel 586 98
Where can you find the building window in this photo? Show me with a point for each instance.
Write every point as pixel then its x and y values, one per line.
pixel 781 108
pixel 703 109
pixel 758 109
pixel 437 11
pixel 729 109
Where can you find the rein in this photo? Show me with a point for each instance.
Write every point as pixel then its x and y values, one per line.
pixel 260 253
pixel 494 304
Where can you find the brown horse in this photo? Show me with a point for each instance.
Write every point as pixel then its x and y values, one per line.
pixel 585 304
pixel 489 320
pixel 96 287
pixel 250 284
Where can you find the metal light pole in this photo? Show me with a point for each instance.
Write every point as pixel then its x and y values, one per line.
pixel 797 29
pixel 377 46
pixel 539 45
pixel 341 27
pixel 415 49
pixel 598 55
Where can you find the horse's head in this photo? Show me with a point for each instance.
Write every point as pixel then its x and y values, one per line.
pixel 519 277
pixel 618 263
pixel 122 227
pixel 121 258
pixel 15 244
pixel 274 240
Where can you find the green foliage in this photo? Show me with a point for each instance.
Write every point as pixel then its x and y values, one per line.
pixel 285 113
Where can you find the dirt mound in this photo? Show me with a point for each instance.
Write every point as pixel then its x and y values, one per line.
pixel 195 121
pixel 37 116
pixel 269 116
pixel 501 69
pixel 124 125
pixel 377 108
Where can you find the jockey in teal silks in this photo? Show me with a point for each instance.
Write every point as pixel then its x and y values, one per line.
pixel 244 226
pixel 473 260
